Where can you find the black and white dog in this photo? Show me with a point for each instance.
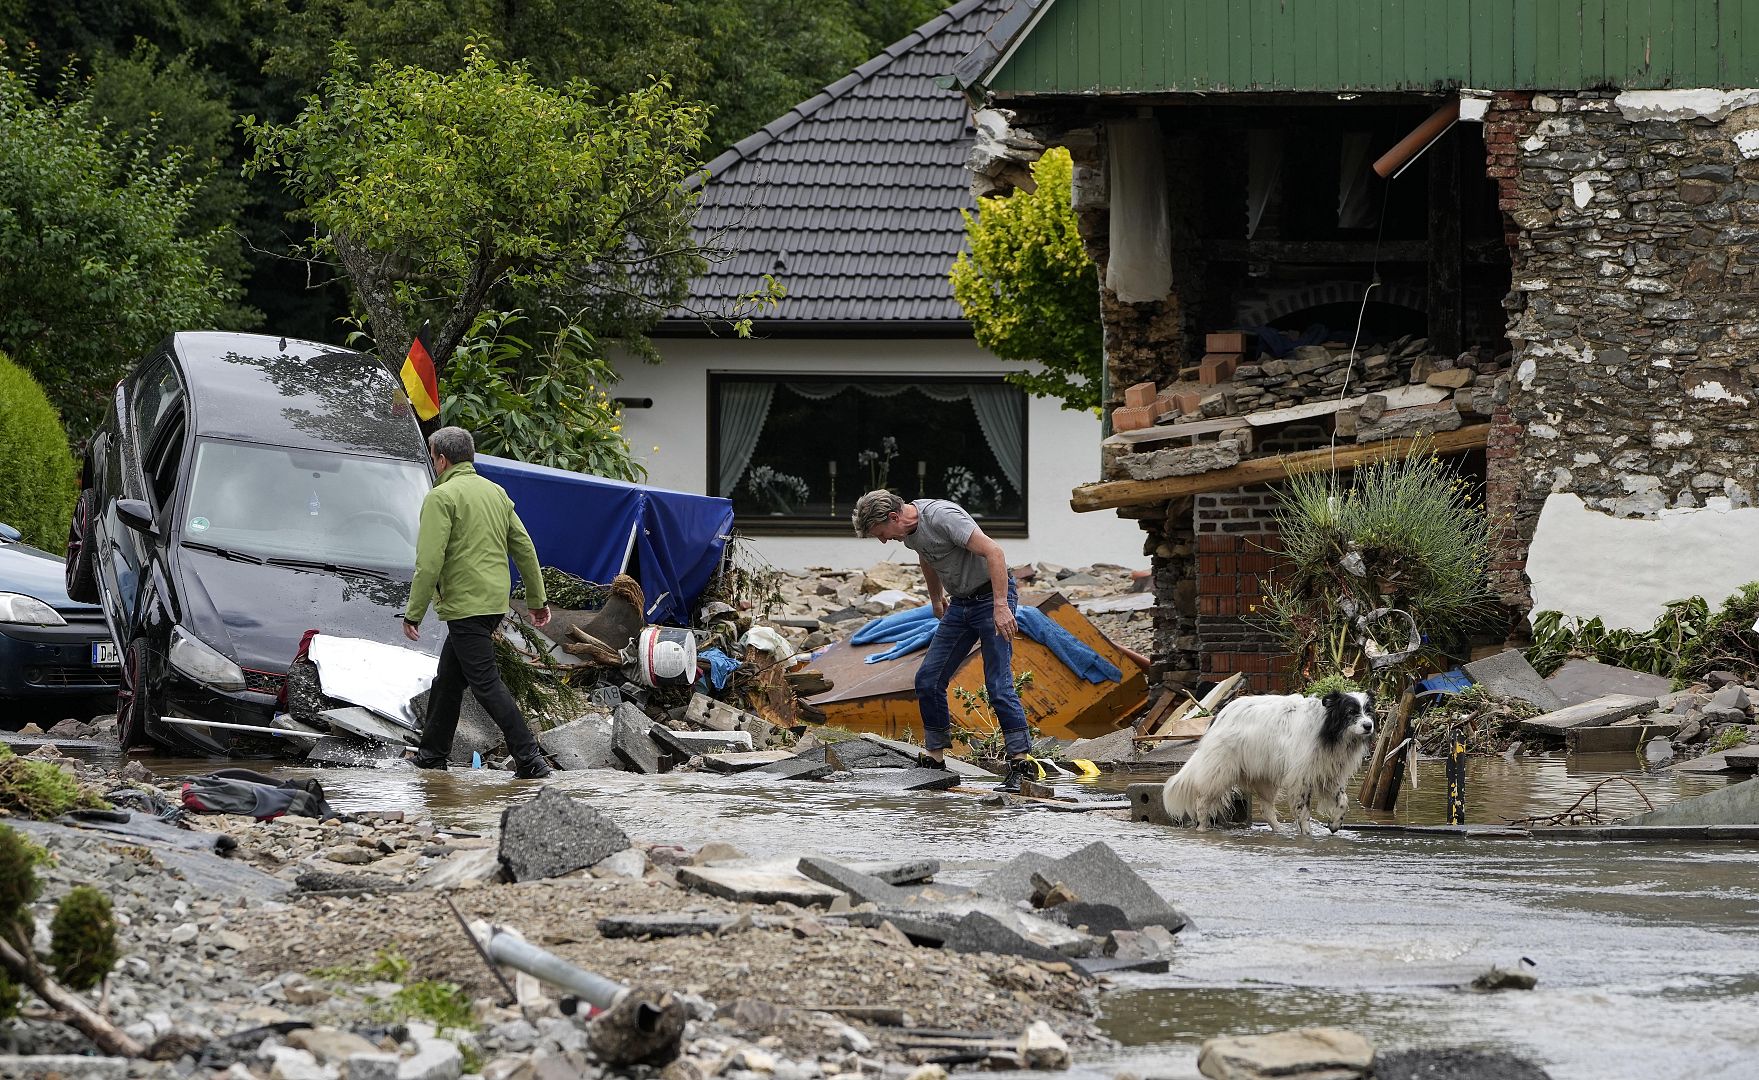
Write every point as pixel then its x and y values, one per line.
pixel 1270 745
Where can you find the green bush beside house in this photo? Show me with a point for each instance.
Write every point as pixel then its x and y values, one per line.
pixel 38 478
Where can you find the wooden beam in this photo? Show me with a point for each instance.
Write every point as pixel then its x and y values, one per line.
pixel 1110 494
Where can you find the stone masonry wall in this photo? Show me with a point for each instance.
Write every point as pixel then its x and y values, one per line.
pixel 1634 228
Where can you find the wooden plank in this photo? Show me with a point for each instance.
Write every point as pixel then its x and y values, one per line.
pixel 1192 49
pixel 1707 63
pixel 1397 397
pixel 1114 493
pixel 1109 18
pixel 1349 32
pixel 1239 54
pixel 1482 50
pixel 1183 720
pixel 1595 46
pixel 1326 64
pixel 1392 36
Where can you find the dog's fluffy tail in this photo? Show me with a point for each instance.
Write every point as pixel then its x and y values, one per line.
pixel 1201 791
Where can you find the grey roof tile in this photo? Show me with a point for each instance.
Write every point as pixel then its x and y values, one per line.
pixel 856 191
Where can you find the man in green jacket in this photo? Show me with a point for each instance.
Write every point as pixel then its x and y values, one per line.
pixel 468 530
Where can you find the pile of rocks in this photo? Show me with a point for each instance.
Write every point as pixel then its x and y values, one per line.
pixel 314 949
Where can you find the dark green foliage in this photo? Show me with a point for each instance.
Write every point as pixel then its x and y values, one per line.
pixel 38 478
pixel 18 875
pixel 95 263
pixel 1327 684
pixel 83 945
pixel 9 997
pixel 1687 642
pixel 566 591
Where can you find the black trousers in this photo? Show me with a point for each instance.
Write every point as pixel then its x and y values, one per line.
pixel 468 658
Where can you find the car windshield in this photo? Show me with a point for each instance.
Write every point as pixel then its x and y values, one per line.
pixel 277 503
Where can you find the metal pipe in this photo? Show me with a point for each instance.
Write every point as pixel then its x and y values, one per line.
pixel 247 727
pixel 1413 144
pixel 595 990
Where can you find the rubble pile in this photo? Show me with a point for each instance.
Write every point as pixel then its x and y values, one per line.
pixel 883 969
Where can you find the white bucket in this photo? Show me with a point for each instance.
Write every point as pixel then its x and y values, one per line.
pixel 665 656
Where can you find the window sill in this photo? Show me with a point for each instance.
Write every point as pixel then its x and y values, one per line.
pixel 840 527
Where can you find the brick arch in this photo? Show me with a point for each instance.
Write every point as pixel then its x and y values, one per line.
pixel 1264 310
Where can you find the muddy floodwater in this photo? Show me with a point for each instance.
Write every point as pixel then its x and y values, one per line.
pixel 1647 954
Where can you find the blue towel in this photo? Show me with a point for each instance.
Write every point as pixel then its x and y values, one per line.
pixel 720 668
pixel 914 629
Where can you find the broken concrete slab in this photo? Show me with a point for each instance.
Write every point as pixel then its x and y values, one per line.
pixel 861 888
pixel 585 743
pixel 757 886
pixel 1616 739
pixel 852 754
pixel 1709 763
pixel 916 779
pixel 980 932
pixel 1118 747
pixel 1597 712
pixel 465 868
pixel 1112 965
pixel 1096 875
pixel 705 711
pixel 554 834
pixel 1737 804
pixel 1154 943
pixel 1180 460
pixel 909 751
pixel 1584 680
pixel 906 872
pixel 632 742
pixel 1509 675
pixel 1744 758
pixel 713 742
pixel 737 763
pixel 1731 696
pixel 799 767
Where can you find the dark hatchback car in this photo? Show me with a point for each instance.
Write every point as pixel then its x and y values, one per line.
pixel 54 652
pixel 241 491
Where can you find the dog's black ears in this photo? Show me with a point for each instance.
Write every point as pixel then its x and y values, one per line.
pixel 1331 698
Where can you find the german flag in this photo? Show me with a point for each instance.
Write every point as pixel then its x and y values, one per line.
pixel 420 382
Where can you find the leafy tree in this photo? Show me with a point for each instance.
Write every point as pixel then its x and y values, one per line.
pixel 95 265
pixel 547 403
pixel 439 192
pixel 1028 287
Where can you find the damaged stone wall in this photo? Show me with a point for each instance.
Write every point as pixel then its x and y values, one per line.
pixel 1635 311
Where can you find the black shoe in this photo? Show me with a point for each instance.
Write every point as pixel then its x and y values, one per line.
pixel 1018 769
pixel 926 760
pixel 536 769
pixel 421 762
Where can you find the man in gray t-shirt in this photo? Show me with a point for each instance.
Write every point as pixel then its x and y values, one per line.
pixel 973 597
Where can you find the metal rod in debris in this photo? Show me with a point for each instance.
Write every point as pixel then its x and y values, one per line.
pixel 254 730
pixel 595 990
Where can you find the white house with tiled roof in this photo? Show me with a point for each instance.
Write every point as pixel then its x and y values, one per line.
pixel 866 374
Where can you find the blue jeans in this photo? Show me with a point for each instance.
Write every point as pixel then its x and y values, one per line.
pixel 969 622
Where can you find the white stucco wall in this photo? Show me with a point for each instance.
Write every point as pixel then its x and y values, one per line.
pixel 1627 570
pixel 671 439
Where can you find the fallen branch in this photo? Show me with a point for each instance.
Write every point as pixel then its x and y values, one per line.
pixel 105 1035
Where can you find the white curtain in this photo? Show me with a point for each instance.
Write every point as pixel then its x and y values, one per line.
pixel 1140 269
pixel 1264 170
pixel 1355 208
pixel 744 408
pixel 998 414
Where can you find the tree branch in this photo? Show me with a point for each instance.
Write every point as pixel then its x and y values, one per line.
pixel 108 1037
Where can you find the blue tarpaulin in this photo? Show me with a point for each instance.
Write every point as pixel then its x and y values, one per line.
pixel 596 528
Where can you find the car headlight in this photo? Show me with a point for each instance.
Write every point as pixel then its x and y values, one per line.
pixel 28 610
pixel 201 662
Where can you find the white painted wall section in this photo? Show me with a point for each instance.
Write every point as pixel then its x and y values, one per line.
pixel 1626 570
pixel 671 439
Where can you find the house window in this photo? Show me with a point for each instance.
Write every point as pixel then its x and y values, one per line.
pixel 795 453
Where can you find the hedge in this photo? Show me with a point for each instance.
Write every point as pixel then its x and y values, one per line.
pixel 38 478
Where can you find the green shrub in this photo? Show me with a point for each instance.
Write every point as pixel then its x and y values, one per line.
pixel 38 481
pixel 18 875
pixel 1329 683
pixel 83 938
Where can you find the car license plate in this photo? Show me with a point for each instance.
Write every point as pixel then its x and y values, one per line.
pixel 104 654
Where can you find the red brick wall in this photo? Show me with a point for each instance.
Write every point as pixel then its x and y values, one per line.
pixel 1236 551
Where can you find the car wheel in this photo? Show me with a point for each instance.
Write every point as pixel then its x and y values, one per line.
pixel 136 699
pixel 82 578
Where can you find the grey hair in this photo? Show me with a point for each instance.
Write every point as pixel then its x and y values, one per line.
pixel 873 508
pixel 454 444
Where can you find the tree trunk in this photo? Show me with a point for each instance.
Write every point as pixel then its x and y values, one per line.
pixel 374 284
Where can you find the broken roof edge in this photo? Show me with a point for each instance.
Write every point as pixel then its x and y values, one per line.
pixel 770 132
pixel 815 328
pixel 974 69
